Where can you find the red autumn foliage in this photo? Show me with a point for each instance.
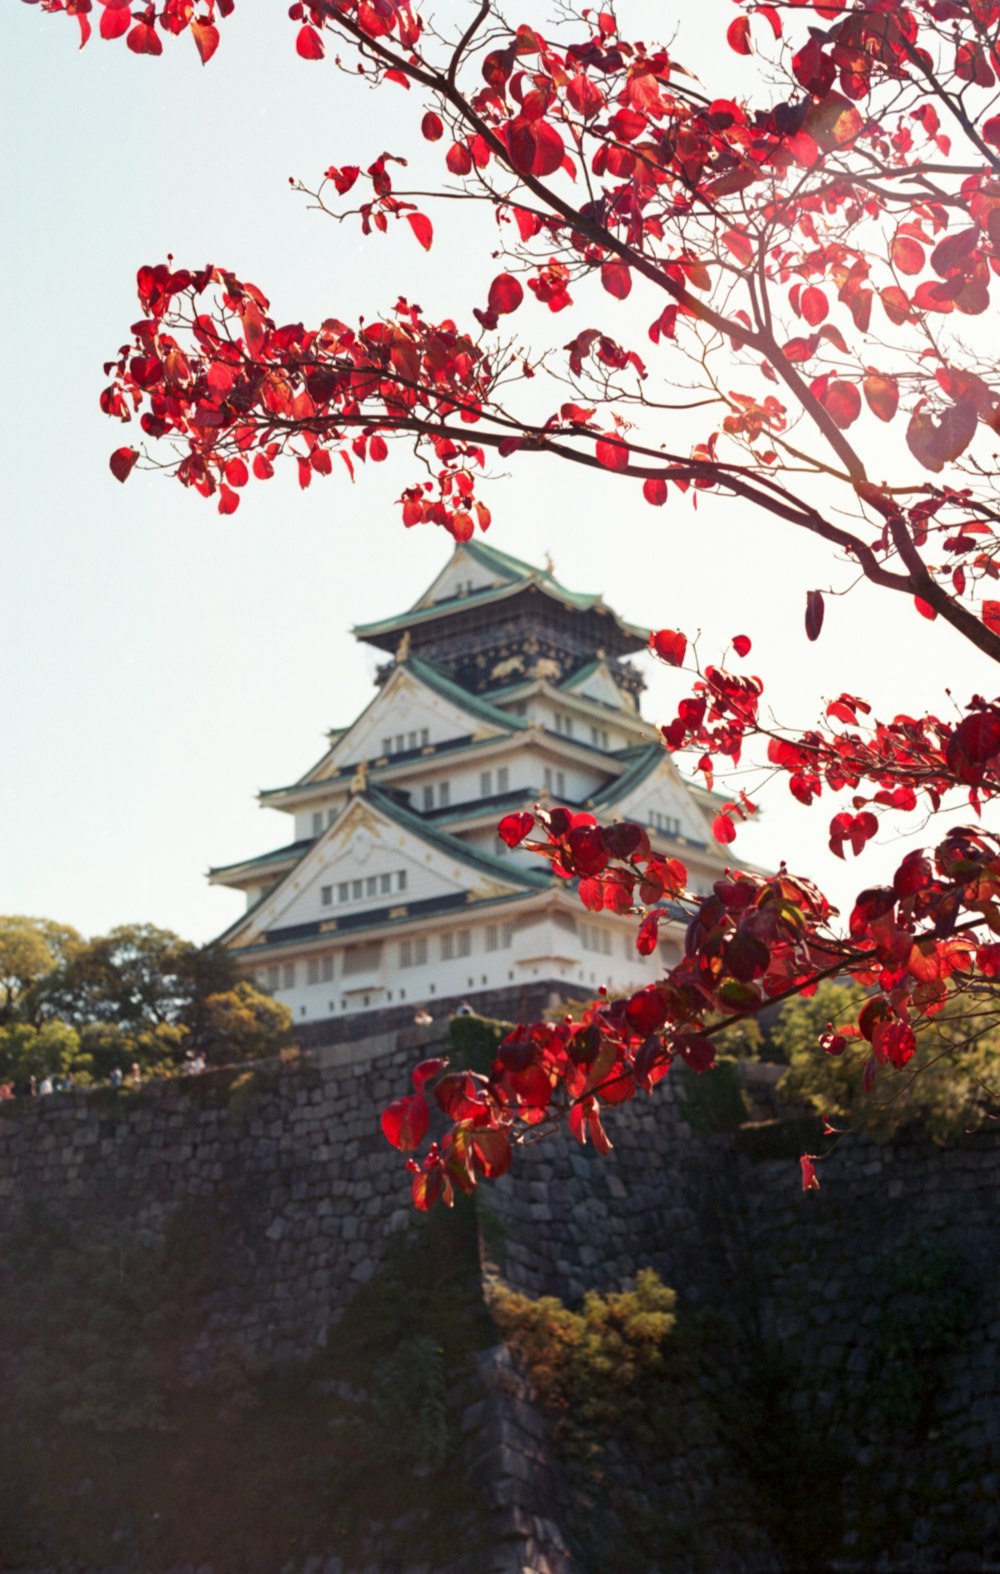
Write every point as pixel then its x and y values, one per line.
pixel 821 248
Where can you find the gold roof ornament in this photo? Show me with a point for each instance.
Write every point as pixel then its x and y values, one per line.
pixel 359 781
pixel 403 649
pixel 545 667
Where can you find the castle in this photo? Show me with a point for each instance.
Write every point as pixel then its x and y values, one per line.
pixel 501 689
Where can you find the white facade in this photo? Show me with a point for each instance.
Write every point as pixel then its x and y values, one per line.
pixel 394 889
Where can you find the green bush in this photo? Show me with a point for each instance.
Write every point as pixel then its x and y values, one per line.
pixel 951 1085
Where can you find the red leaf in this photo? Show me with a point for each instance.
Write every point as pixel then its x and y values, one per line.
pixel 882 395
pixel 991 616
pixel 842 403
pixel 506 294
pixel 813 306
pixel 427 1071
pixel 427 1189
pixel 404 1122
pixel 535 147
pixel 723 828
pixel 229 501
pixel 431 127
pixel 654 490
pixel 459 159
pixel 491 1152
pixel 857 829
pixel 935 443
pixel 115 20
pixel 513 828
pixel 206 37
pixel 924 608
pixel 696 1051
pixel 810 1180
pixel 308 44
pixel 121 462
pixel 237 473
pixel 907 254
pixel 648 933
pixel 738 36
pixel 611 452
pixel 669 645
pixel 616 279
pixel 144 40
pixel 741 645
pixel 814 613
pixel 422 228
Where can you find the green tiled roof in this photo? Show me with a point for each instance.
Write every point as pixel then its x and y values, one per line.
pixel 518 575
pixel 474 703
pixel 645 763
pixel 279 855
pixel 453 846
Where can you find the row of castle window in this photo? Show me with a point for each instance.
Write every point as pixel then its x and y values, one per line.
pixel 554 781
pixel 667 823
pixel 455 943
pixel 331 815
pixel 418 738
pixel 594 938
pixel 356 890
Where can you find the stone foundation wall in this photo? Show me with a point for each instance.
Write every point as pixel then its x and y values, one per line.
pixel 876 1299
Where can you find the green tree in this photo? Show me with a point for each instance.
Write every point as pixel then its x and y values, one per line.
pixel 951 1084
pixel 243 1024
pixel 46 1051
pixel 137 977
pixel 30 950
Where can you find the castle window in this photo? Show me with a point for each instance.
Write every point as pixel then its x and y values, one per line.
pixel 357 890
pixel 386 745
pixel 343 892
pixel 317 822
pixel 492 937
pixel 401 880
pixel 425 737
pixel 444 794
pixel 667 823
pixel 463 943
pixel 447 947
pixel 429 797
pixel 503 779
pixel 507 932
pixel 411 740
pixel 385 883
pixel 326 895
pixel 273 976
pixel 288 976
pixel 371 886
pixel 560 784
pixel 399 743
pixel 331 815
pixel 312 970
pixel 327 969
pixel 486 784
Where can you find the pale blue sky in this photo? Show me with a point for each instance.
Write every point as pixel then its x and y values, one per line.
pixel 160 663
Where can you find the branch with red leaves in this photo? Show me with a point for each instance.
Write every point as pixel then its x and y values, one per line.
pixel 914 945
pixel 811 260
pixel 810 264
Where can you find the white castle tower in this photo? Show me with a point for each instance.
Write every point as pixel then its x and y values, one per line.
pixel 503 689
